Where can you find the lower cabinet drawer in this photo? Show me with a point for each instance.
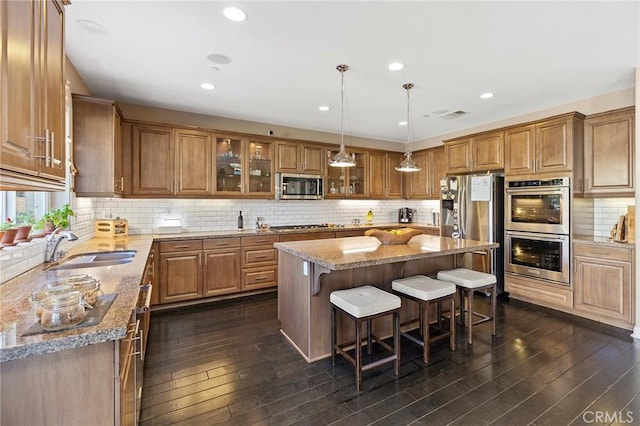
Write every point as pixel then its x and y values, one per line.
pixel 257 278
pixel 539 292
pixel 258 256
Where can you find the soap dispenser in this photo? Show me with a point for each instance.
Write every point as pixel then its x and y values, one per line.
pixel 370 216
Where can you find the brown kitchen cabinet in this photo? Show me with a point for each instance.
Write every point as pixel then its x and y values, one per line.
pixel 298 157
pixel 244 166
pixel 609 152
pixel 603 284
pixel 477 153
pixel 97 133
pixel 170 161
pixel 180 270
pixel 546 146
pixel 32 122
pixel 259 262
pixel 425 184
pixel 347 182
pixel 221 269
pixel 384 180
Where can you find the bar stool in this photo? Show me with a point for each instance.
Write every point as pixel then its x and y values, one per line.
pixel 362 304
pixel 427 291
pixel 468 281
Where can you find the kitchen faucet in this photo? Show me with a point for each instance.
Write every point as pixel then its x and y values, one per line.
pixel 53 242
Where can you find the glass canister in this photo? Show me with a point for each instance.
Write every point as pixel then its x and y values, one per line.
pixel 88 286
pixel 61 311
pixel 38 296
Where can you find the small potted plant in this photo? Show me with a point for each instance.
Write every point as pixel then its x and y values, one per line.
pixel 8 231
pixel 25 222
pixel 56 218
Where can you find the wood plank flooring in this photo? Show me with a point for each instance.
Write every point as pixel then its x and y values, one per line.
pixel 227 363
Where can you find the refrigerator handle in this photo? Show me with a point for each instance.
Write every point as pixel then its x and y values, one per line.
pixel 462 213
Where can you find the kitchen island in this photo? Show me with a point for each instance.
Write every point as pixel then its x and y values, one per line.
pixel 308 271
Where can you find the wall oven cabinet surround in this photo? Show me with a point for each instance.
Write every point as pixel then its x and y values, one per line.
pixel 32 123
pixel 384 180
pixel 482 152
pixel 244 166
pixel 609 148
pixel 538 205
pixel 294 157
pixel 348 182
pixel 540 292
pixel 550 146
pixel 538 255
pixel 97 133
pixel 602 284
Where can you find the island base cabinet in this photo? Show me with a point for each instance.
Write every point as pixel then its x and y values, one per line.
pixel 602 284
pixel 73 387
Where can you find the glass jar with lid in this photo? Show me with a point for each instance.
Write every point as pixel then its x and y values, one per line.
pixel 87 285
pixel 61 311
pixel 38 296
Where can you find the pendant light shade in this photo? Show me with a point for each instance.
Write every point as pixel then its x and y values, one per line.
pixel 407 164
pixel 342 159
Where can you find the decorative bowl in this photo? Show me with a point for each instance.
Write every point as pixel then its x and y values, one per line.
pixel 394 236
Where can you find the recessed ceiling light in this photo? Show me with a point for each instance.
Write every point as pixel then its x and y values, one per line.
pixel 486 95
pixel 219 58
pixel 395 66
pixel 92 26
pixel 323 108
pixel 235 14
pixel 207 86
pixel 402 123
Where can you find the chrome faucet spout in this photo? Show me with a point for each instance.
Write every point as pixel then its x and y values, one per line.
pixel 54 243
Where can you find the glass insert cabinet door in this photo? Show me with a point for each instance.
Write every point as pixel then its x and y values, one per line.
pixel 344 182
pixel 260 167
pixel 229 156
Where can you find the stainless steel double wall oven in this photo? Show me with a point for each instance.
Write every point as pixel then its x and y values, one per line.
pixel 537 229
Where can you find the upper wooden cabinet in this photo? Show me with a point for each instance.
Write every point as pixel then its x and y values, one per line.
pixel 384 180
pixel 544 147
pixel 477 153
pixel 169 161
pixel 294 157
pixel 609 154
pixel 348 182
pixel 31 123
pixel 244 166
pixel 97 133
pixel 425 184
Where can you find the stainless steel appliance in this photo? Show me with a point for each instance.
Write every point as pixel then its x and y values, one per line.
pixel 538 255
pixel 472 207
pixel 405 214
pixel 299 187
pixel 538 205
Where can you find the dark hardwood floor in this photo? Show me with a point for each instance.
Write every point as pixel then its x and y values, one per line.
pixel 228 363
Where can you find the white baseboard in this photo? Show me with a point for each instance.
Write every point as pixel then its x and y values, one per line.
pixel 636 332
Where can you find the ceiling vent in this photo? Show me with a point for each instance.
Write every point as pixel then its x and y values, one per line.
pixel 454 114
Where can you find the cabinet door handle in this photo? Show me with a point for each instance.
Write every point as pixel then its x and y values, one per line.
pixel 47 149
pixel 180 247
pixel 222 244
pixel 261 256
pixel 260 278
pixel 262 241
pixel 52 141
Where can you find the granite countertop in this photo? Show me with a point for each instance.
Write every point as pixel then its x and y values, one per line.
pixel 17 315
pixel 254 232
pixel 600 241
pixel 358 252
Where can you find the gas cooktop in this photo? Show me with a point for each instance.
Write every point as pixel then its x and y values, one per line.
pixel 285 227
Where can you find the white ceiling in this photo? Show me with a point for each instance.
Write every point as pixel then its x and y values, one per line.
pixel 532 55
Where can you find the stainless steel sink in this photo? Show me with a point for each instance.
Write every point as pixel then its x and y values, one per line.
pixel 92 260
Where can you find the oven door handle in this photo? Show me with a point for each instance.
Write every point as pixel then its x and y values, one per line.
pixel 536 190
pixel 543 237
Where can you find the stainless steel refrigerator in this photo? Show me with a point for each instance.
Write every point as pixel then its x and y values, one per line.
pixel 472 207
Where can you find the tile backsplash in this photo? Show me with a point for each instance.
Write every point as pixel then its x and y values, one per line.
pixel 607 212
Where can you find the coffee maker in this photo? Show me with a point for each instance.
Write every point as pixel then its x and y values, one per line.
pixel 405 214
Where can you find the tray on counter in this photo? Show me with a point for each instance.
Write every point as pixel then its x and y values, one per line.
pixel 94 316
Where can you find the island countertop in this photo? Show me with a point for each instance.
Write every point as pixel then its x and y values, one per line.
pixel 357 252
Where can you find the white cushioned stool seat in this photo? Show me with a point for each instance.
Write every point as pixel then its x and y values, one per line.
pixel 467 278
pixel 423 287
pixel 364 301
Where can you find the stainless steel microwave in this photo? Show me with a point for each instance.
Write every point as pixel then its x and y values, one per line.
pixel 299 187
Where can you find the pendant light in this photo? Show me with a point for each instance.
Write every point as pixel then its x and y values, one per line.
pixel 407 164
pixel 342 159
